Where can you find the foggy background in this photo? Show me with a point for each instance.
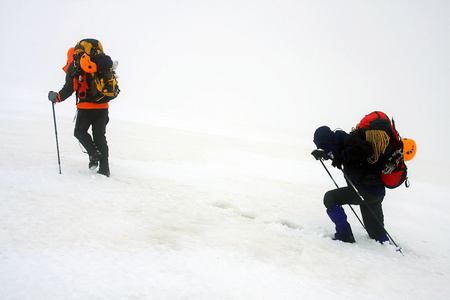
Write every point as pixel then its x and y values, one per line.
pixel 281 67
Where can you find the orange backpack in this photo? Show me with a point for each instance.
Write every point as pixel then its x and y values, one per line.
pixel 96 83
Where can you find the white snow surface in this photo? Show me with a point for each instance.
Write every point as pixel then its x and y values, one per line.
pixel 213 192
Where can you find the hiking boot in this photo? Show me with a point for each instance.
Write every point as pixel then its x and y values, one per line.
pixel 104 165
pixel 384 240
pixel 93 160
pixel 104 171
pixel 345 239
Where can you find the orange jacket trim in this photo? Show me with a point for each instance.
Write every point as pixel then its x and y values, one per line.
pixel 70 53
pixel 90 105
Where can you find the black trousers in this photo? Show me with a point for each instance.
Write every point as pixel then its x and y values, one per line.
pixel 371 208
pixel 98 119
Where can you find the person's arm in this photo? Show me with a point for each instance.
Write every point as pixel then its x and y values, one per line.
pixel 68 88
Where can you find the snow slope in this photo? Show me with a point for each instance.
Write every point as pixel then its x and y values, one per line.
pixel 213 192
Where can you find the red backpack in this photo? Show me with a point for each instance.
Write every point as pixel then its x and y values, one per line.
pixel 394 170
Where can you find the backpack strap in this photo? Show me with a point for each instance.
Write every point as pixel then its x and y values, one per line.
pixel 82 87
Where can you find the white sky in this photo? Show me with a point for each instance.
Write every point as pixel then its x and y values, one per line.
pixel 296 64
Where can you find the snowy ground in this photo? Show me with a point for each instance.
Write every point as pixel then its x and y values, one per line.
pixel 187 215
pixel 207 203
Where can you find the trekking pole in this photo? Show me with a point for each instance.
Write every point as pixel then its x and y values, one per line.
pixel 326 169
pixel 56 136
pixel 399 249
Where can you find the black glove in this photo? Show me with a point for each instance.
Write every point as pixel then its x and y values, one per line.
pixel 338 159
pixel 52 96
pixel 319 154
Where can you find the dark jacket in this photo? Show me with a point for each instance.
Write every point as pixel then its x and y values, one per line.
pixel 73 84
pixel 68 88
pixel 353 151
